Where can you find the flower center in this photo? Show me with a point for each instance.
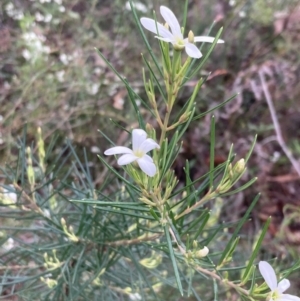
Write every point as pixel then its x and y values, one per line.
pixel 275 295
pixel 179 43
pixel 139 153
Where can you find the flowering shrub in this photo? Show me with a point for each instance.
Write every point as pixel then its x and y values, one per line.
pixel 142 230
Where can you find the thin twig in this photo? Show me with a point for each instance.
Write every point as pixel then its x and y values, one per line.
pixel 279 137
pixel 33 204
pixel 135 241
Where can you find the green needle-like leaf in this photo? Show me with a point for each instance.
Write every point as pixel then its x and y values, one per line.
pixel 256 249
pixel 237 229
pixel 173 259
pixel 212 152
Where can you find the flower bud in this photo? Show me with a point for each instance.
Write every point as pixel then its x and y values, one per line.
pixel 183 118
pixel 63 222
pixel 202 253
pixel 41 148
pixel 30 170
pixel 239 166
pixel 51 283
pixel 191 37
pixel 151 262
pixel 127 290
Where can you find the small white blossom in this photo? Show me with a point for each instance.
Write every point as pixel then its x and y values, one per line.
pixel 277 289
pixel 9 244
pixel 60 75
pixel 141 145
pixel 92 88
pixel 62 9
pixel 65 58
pixel 26 54
pixel 48 18
pixel 242 14
pixel 135 297
pixel 95 149
pixel 175 35
pixel 47 213
pixel 139 6
pixel 8 195
pixel 14 13
pixel 39 17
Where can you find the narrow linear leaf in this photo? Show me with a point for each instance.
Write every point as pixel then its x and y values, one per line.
pixel 251 149
pixel 136 109
pixel 215 287
pixel 203 224
pixel 212 151
pixel 122 212
pixel 173 259
pixel 123 80
pixel 257 247
pixel 241 188
pixel 238 227
pixel 157 81
pixel 215 108
pixel 118 175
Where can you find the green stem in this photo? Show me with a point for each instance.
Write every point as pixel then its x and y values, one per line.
pixel 208 196
pixel 165 125
pixel 176 63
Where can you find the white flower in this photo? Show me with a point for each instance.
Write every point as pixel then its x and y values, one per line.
pixel 141 145
pixel 9 194
pixel 277 289
pixel 92 88
pixel 139 6
pixel 175 35
pixel 135 297
pixel 9 244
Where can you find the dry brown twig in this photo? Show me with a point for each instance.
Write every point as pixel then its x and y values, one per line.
pixel 277 128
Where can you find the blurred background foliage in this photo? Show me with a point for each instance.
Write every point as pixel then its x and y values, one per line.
pixel 51 77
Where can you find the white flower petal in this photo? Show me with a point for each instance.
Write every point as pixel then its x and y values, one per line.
pixel 148 158
pixel 287 297
pixel 126 159
pixel 150 25
pixel 138 137
pixel 148 145
pixel 118 150
pixel 206 39
pixel 166 39
pixel 283 285
pixel 192 51
pixel 147 167
pixel 171 20
pixel 135 297
pixel 268 274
